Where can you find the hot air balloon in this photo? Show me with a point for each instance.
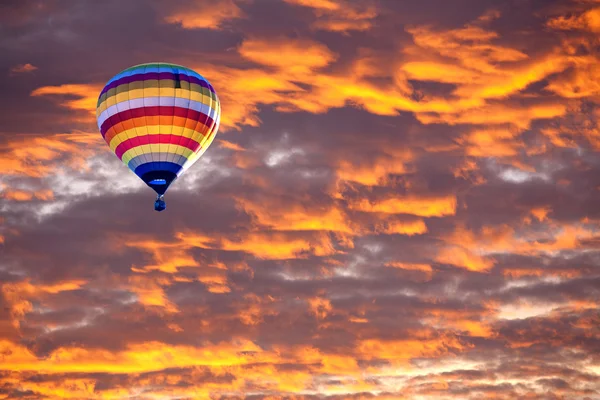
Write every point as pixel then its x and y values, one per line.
pixel 158 118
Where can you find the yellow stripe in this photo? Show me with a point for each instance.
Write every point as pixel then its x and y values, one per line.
pixel 155 130
pixel 155 92
pixel 155 148
pixel 206 142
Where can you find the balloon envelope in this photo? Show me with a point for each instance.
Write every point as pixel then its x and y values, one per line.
pixel 158 118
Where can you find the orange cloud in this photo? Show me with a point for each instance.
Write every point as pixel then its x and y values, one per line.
pixel 271 245
pixel 255 308
pixel 410 228
pixel 206 15
pixel 469 46
pixel 497 114
pixel 463 257
pixel 426 269
pixel 86 96
pixel 399 352
pixel 414 205
pixel 340 15
pixel 23 68
pixel 480 70
pixel 493 143
pixel 541 213
pixel 41 156
pixel 287 77
pixel 465 57
pixel 460 323
pixel 281 246
pixel 231 146
pixel 378 169
pixel 581 80
pixel 20 294
pixel 587 21
pixel 167 256
pixel 319 306
pixel 150 292
pixel 292 56
pixel 137 358
pixel 269 214
pixel 474 250
pixel 65 389
pixel 21 195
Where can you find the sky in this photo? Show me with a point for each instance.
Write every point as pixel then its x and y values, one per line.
pixel 402 202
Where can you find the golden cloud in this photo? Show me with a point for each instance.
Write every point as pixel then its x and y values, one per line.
pixel 464 257
pixel 140 357
pixel 587 21
pixel 38 156
pixel 425 268
pixel 340 15
pixel 465 57
pixel 493 143
pixel 293 56
pixel 269 215
pixel 86 96
pixel 400 352
pixel 377 170
pixel 150 292
pixel 410 228
pixel 205 14
pixel 474 250
pixel 20 295
pixel 413 205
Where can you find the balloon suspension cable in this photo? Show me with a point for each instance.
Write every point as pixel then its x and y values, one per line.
pixel 160 204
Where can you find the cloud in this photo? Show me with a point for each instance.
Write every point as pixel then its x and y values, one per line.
pixel 420 206
pixel 403 204
pixel 340 15
pixel 23 68
pixel 204 14
pixel 588 21
pixel 291 56
pixel 86 97
pixel 41 156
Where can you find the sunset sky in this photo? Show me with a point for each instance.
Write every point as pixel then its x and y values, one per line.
pixel 402 202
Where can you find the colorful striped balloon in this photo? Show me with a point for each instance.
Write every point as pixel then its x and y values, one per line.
pixel 158 118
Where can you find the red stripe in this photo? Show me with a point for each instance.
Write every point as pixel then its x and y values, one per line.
pixel 153 139
pixel 155 111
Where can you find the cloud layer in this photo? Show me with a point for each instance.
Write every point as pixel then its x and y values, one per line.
pixel 402 202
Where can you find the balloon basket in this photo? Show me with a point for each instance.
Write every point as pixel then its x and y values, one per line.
pixel 159 204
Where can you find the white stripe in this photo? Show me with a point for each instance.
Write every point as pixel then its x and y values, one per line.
pixel 138 160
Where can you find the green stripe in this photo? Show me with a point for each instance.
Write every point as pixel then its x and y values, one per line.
pixel 153 83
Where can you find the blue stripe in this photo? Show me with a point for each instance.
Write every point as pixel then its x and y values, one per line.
pixel 158 166
pixel 145 69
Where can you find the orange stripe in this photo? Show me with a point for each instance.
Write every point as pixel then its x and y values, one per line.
pixel 154 120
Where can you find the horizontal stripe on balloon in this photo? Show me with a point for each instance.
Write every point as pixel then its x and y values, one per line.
pixel 155 139
pixel 144 158
pixel 155 67
pixel 146 102
pixel 158 166
pixel 148 149
pixel 177 131
pixel 154 89
pixel 170 112
pixel 157 76
pixel 153 125
pixel 204 145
